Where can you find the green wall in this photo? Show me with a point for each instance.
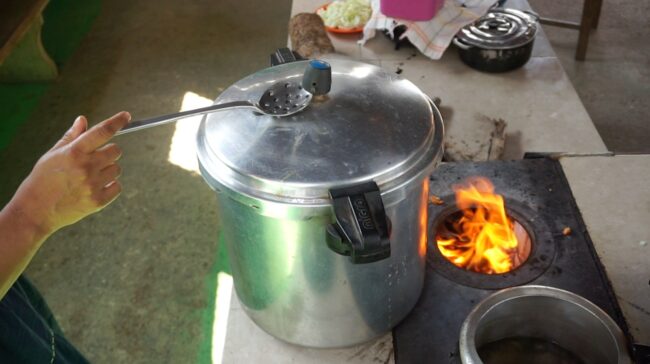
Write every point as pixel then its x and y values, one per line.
pixel 66 24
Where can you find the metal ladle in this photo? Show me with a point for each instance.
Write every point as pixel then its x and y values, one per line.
pixel 281 99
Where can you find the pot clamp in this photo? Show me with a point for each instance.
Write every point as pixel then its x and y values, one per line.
pixel 362 229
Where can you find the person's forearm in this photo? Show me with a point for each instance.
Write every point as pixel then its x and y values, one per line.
pixel 20 239
pixel 74 179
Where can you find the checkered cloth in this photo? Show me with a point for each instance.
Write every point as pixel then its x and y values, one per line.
pixel 434 36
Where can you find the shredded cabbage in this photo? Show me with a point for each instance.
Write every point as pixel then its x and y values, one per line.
pixel 346 13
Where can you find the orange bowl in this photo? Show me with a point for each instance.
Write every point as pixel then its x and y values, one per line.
pixel 340 30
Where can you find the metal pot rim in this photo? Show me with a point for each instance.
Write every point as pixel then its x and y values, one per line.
pixel 464 46
pixel 270 204
pixel 467 341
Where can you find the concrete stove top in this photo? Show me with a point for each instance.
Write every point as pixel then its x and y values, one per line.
pixel 613 195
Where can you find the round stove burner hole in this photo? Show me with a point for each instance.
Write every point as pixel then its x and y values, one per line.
pixel 534 255
pixel 473 240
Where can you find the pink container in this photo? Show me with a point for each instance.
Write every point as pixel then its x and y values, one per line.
pixel 420 10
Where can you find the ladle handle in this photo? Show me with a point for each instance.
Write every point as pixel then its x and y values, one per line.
pixel 164 119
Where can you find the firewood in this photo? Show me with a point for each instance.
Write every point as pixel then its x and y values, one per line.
pixel 308 35
pixel 436 200
pixel 497 140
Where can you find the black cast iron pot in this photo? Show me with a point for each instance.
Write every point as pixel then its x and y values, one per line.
pixel 500 41
pixel 494 60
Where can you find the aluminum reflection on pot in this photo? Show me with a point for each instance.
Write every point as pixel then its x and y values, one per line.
pixel 324 213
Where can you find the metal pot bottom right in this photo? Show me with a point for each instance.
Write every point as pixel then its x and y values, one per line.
pixel 540 324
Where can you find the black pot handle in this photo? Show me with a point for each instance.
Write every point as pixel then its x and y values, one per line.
pixel 284 55
pixel 458 43
pixel 533 15
pixel 362 229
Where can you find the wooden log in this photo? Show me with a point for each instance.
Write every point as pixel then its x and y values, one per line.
pixel 308 35
pixel 497 140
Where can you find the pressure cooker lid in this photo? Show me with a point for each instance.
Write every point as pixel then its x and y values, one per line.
pixel 500 28
pixel 372 125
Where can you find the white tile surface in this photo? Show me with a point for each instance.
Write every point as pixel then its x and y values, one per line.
pixel 613 194
pixel 541 107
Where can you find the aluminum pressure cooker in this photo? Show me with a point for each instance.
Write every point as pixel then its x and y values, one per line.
pixel 324 213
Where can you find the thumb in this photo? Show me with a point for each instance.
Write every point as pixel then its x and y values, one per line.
pixel 78 127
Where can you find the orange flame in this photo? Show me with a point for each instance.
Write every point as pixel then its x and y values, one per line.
pixel 483 239
pixel 423 214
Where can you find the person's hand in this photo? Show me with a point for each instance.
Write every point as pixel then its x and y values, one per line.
pixel 75 178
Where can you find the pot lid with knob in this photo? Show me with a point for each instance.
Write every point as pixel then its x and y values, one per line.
pixel 371 126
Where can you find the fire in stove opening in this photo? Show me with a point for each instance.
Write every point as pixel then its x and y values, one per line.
pixel 480 236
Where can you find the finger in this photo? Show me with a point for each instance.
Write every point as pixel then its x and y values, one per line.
pixel 109 193
pixel 78 127
pixel 102 132
pixel 108 175
pixel 107 155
